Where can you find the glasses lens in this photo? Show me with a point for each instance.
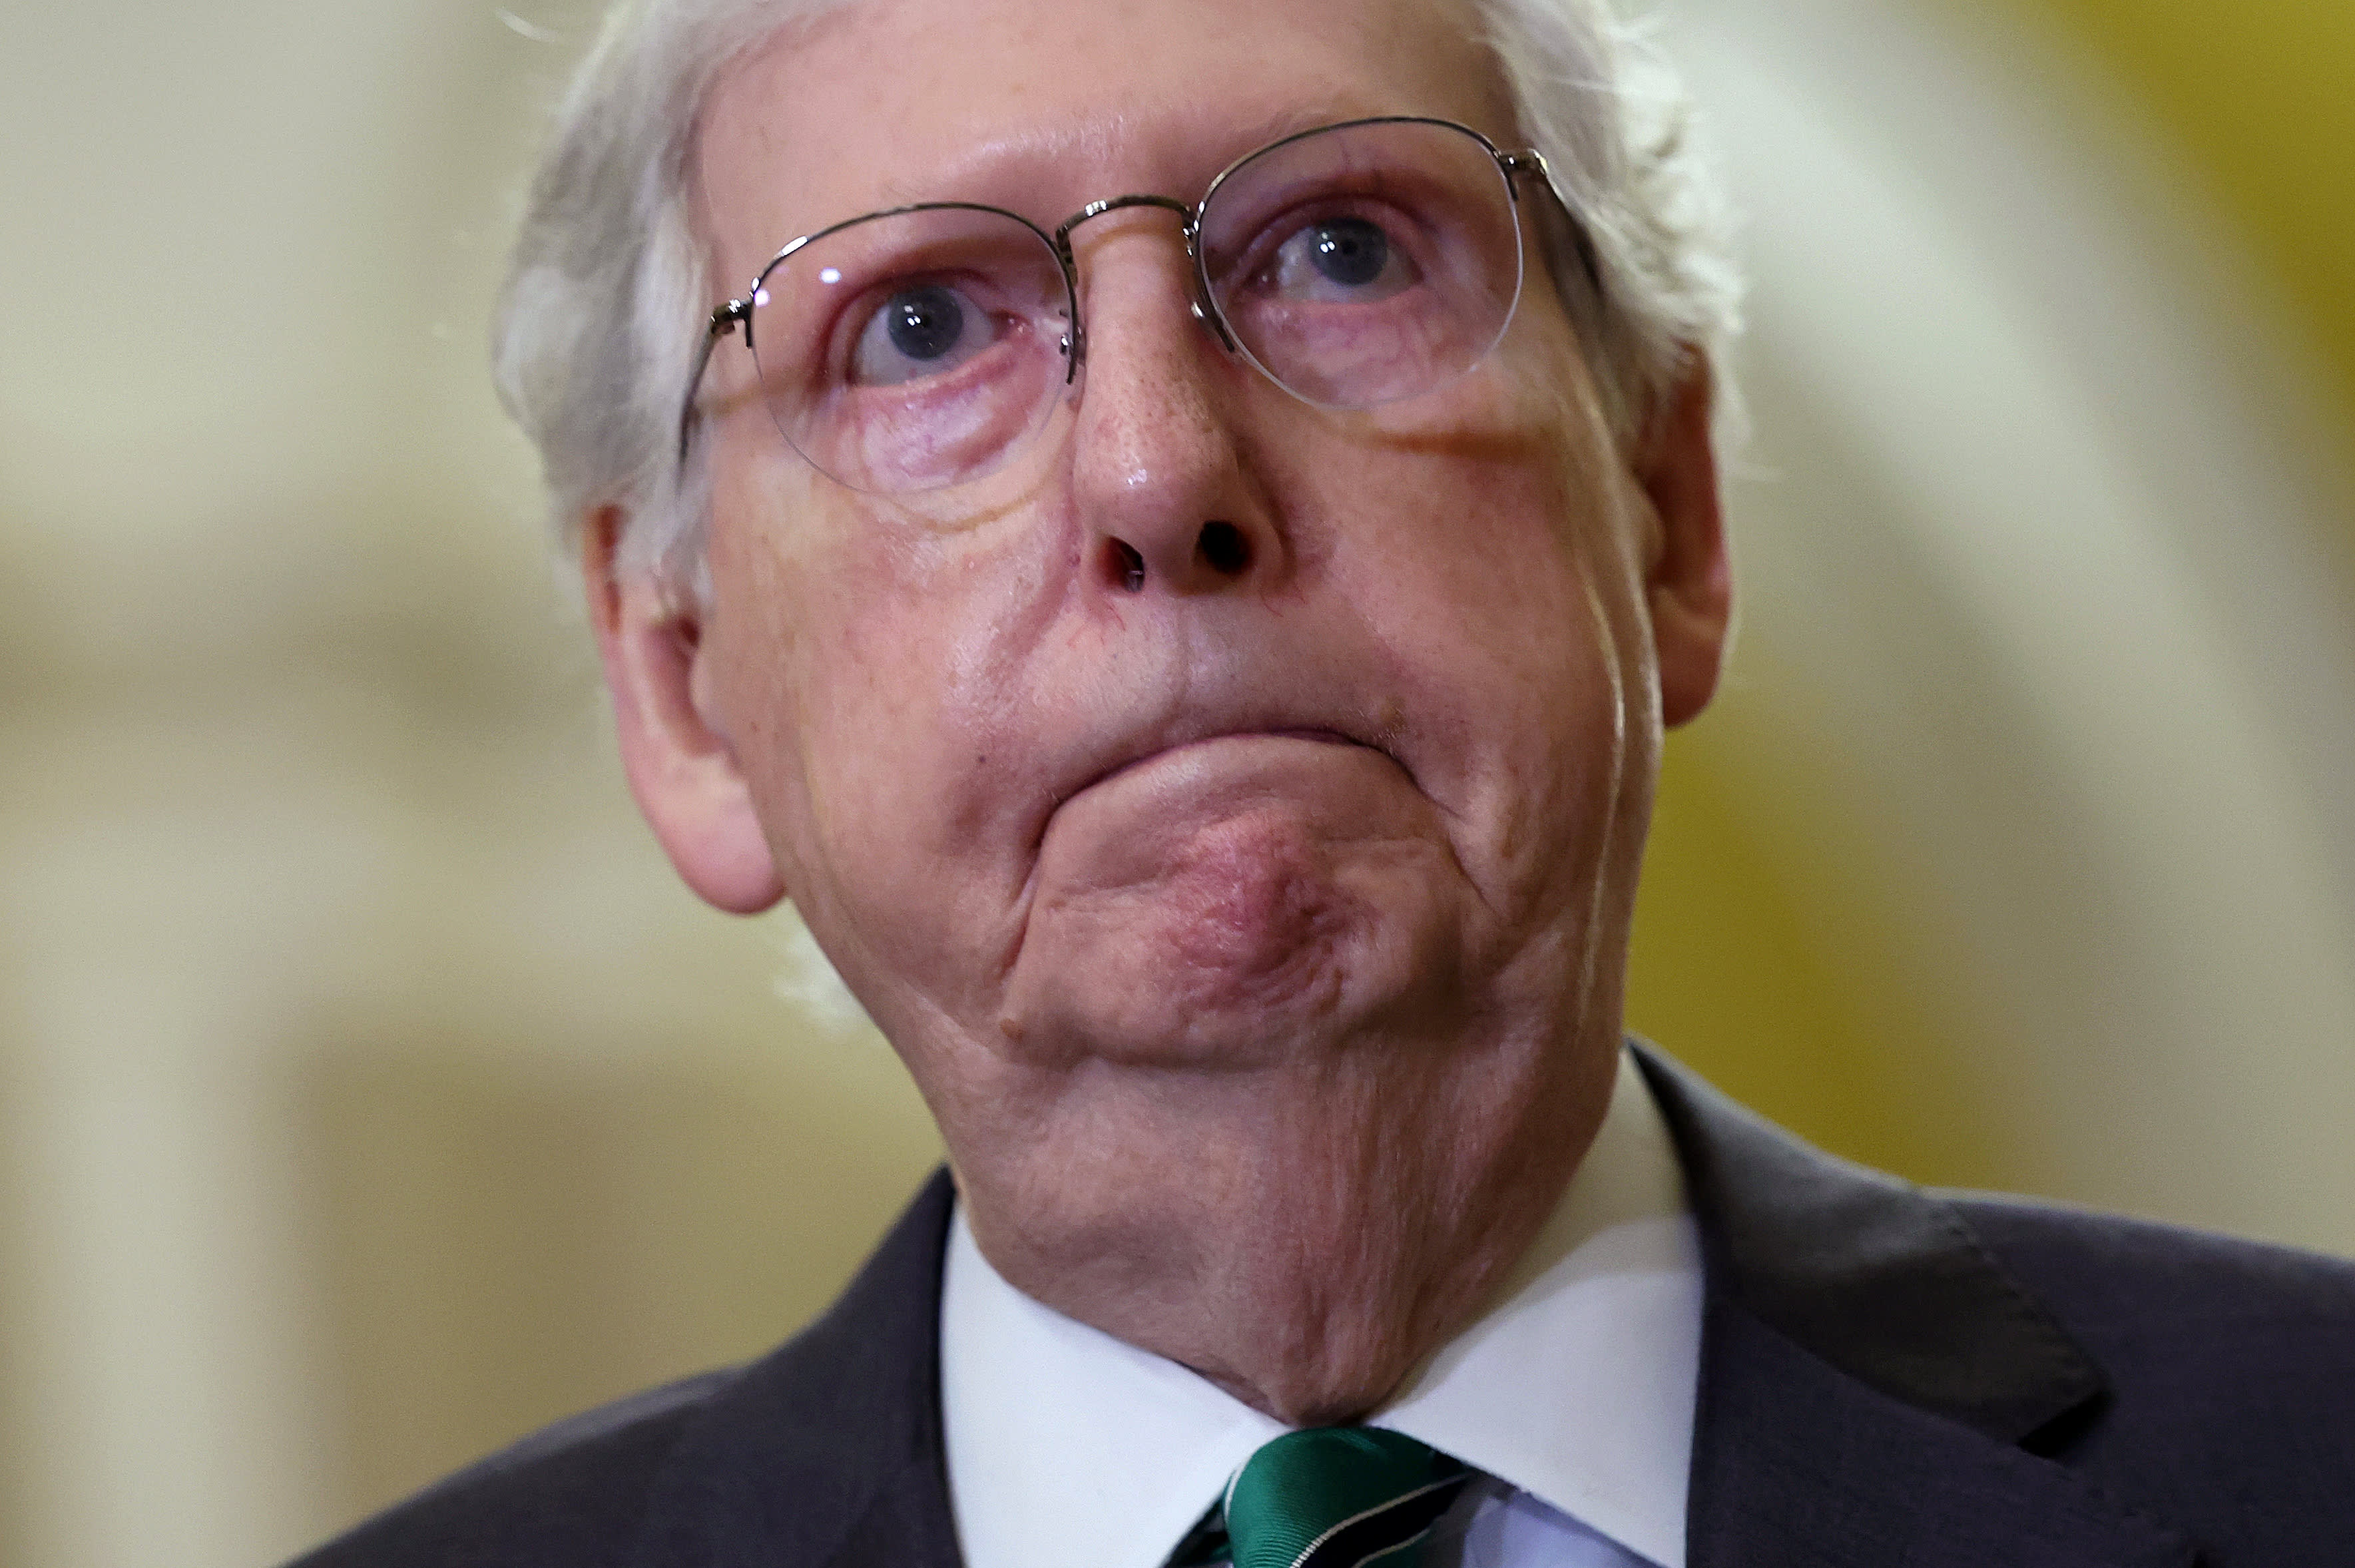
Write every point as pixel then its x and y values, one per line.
pixel 913 351
pixel 1365 263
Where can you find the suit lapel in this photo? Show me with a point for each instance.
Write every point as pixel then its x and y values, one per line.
pixel 828 1452
pixel 1797 1463
pixel 1874 1387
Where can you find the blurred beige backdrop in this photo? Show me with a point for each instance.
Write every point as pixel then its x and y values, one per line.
pixel 371 1093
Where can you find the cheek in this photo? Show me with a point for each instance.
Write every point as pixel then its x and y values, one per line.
pixel 1495 578
pixel 1511 631
pixel 815 644
pixel 868 681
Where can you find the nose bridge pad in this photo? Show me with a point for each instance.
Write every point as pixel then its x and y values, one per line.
pixel 1075 335
pixel 1204 309
pixel 1206 312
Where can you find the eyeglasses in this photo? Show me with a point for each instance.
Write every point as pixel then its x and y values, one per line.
pixel 916 350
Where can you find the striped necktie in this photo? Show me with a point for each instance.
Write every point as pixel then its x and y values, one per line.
pixel 1329 1497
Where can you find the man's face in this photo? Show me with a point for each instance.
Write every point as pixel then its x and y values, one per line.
pixel 1179 896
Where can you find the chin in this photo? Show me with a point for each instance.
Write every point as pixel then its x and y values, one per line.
pixel 1261 943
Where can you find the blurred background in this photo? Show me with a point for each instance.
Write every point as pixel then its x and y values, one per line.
pixel 369 1090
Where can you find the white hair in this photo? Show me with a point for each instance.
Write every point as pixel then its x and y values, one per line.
pixel 609 290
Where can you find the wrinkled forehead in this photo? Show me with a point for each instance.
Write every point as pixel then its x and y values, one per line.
pixel 1043 106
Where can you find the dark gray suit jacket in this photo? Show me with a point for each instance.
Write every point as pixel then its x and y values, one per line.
pixel 1889 1377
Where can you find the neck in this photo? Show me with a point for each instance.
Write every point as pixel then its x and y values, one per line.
pixel 1322 1231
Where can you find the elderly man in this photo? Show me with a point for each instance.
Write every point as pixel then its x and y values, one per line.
pixel 1176 554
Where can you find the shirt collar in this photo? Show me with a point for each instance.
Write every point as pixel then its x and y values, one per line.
pixel 1577 1386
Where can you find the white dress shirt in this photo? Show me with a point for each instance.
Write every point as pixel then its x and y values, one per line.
pixel 1068 1448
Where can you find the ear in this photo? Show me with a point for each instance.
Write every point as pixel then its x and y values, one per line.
pixel 1688 575
pixel 680 765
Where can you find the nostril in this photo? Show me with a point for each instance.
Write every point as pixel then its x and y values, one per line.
pixel 1127 566
pixel 1222 544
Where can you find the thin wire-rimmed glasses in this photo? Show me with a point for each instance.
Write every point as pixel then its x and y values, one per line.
pixel 916 350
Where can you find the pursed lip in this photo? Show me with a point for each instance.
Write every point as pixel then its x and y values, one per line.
pixel 1139 747
pixel 1290 733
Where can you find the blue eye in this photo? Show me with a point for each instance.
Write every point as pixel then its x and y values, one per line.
pixel 1348 251
pixel 921 330
pixel 1343 259
pixel 925 323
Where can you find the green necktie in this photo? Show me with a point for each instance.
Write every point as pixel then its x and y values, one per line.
pixel 1329 1497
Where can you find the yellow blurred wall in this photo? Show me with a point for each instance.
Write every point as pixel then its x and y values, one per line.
pixel 1759 961
pixel 2259 99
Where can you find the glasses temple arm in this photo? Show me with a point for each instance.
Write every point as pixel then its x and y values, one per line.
pixel 1529 161
pixel 723 321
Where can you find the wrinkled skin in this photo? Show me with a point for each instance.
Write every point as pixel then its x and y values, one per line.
pixel 1255 935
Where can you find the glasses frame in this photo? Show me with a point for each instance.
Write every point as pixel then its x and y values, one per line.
pixel 1513 165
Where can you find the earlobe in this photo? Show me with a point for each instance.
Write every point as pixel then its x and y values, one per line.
pixel 681 767
pixel 1688 572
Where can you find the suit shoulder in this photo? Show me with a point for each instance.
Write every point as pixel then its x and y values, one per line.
pixel 2111 1275
pixel 570 1494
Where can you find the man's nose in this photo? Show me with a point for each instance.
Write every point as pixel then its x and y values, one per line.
pixel 1166 493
